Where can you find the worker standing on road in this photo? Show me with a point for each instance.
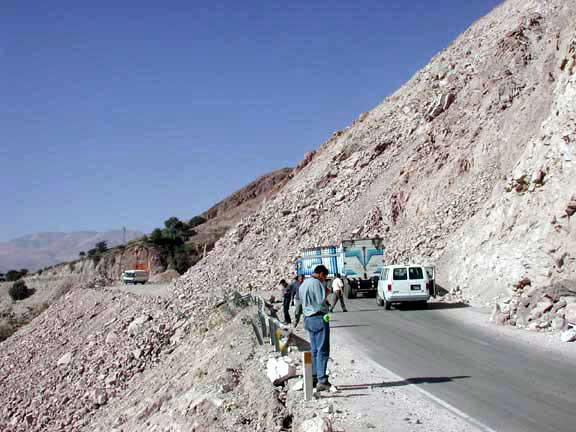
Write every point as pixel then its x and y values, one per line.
pixel 295 287
pixel 314 306
pixel 286 300
pixel 338 291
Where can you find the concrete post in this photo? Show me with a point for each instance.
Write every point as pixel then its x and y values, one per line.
pixel 307 372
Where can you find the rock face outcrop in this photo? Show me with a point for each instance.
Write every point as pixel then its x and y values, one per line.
pixel 468 166
pixel 103 270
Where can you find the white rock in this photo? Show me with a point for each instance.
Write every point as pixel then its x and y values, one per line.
pixel 316 424
pixel 570 313
pixel 135 325
pixel 558 323
pixel 112 337
pixel 278 370
pixel 568 335
pixel 297 386
pixel 99 397
pixel 65 359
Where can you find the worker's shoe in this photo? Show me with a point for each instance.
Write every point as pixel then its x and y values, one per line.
pixel 325 386
pixel 345 310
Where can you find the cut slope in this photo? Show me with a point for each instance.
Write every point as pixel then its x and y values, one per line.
pixel 428 169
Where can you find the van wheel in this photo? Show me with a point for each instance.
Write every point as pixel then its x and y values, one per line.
pixel 387 305
pixel 379 300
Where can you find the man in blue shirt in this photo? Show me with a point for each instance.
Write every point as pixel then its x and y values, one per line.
pixel 314 306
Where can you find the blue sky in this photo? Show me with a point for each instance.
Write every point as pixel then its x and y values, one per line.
pixel 126 113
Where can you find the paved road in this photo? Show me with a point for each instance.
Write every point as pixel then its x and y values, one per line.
pixel 504 384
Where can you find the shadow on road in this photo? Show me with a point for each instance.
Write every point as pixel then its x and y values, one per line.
pixel 349 326
pixel 366 310
pixel 337 396
pixel 431 306
pixel 408 381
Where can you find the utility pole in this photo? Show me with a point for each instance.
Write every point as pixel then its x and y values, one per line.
pixel 123 235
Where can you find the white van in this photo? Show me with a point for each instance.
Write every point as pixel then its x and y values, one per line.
pixel 405 283
pixel 135 276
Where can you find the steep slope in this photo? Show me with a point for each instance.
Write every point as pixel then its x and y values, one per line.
pixel 39 250
pixel 429 169
pixel 242 203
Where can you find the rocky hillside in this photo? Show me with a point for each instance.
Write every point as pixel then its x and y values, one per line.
pixel 242 203
pixel 468 166
pixel 39 250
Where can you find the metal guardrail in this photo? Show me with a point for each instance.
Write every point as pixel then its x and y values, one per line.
pixel 271 329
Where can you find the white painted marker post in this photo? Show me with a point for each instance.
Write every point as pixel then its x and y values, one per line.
pixel 308 385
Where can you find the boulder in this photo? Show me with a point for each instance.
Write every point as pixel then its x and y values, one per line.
pixel 98 397
pixel 568 335
pixel 136 324
pixel 316 424
pixel 280 369
pixel 111 338
pixel 65 359
pixel 570 313
pixel 558 323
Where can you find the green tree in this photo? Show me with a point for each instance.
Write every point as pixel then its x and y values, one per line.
pixel 101 246
pixel 157 237
pixel 82 254
pixel 13 275
pixel 19 290
pixel 195 221
pixel 23 272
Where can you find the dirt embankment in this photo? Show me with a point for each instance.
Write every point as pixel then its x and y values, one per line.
pixel 49 285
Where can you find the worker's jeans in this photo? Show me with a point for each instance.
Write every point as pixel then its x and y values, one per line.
pixel 286 306
pixel 319 331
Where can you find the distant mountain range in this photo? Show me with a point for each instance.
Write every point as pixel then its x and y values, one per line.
pixel 39 250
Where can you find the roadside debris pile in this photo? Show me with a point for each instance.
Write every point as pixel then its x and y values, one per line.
pixel 540 309
pixel 77 355
pixel 212 382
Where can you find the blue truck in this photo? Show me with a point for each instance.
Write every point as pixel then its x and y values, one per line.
pixel 358 261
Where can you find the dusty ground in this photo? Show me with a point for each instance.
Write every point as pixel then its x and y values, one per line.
pixel 149 289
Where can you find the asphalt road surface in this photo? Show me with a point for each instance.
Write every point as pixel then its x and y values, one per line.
pixel 505 385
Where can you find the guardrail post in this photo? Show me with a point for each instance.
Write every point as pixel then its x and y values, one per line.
pixel 257 333
pixel 263 324
pixel 271 328
pixel 308 384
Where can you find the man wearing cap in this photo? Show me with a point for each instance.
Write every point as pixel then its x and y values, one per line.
pixel 314 306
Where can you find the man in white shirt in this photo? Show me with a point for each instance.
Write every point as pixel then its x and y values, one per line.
pixel 338 290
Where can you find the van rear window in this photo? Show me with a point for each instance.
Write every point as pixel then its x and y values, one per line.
pixel 416 273
pixel 400 274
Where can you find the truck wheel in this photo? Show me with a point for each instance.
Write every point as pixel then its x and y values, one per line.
pixel 387 305
pixel 424 304
pixel 379 300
